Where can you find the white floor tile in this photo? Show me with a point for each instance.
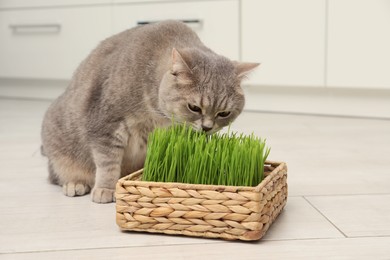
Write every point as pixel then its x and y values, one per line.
pixel 300 220
pixel 357 215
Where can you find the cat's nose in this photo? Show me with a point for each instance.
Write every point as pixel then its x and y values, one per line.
pixel 206 129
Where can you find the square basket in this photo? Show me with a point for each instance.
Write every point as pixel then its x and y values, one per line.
pixel 212 211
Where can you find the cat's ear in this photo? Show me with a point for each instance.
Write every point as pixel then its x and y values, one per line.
pixel 180 68
pixel 244 68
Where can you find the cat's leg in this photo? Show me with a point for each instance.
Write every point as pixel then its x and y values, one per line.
pixel 108 153
pixel 74 179
pixel 108 171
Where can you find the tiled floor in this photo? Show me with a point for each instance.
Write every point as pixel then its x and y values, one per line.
pixel 338 208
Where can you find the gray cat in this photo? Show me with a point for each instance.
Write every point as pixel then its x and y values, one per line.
pixel 97 130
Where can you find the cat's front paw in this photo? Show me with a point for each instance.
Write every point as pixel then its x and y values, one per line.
pixel 103 195
pixel 72 189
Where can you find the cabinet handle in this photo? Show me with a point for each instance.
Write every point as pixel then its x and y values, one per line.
pixel 52 28
pixel 193 23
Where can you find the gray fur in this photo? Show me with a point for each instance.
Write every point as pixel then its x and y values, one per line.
pixel 96 131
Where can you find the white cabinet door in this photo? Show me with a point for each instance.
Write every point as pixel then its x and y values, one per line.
pixel 49 43
pixel 359 43
pixel 216 22
pixel 4 4
pixel 288 38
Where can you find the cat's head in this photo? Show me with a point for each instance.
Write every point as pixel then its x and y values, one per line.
pixel 203 89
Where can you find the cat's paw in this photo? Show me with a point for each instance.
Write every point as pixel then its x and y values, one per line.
pixel 103 195
pixel 72 189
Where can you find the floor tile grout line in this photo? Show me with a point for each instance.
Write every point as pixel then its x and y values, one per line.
pixel 304 239
pixel 141 246
pixel 190 244
pixel 322 214
pixel 167 245
pixel 325 238
pixel 103 248
pixel 339 195
pixel 372 236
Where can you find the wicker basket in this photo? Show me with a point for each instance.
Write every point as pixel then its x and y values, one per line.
pixel 227 212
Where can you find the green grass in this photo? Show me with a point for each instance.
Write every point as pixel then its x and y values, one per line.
pixel 179 154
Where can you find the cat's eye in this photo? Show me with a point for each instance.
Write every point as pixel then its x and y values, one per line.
pixel 194 108
pixel 223 114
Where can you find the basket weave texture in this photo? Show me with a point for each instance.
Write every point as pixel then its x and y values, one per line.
pixel 212 211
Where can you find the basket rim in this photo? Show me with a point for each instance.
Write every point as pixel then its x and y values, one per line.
pixel 274 166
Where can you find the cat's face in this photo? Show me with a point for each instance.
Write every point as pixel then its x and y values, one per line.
pixel 203 91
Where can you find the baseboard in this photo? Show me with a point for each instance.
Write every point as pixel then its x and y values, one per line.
pixel 373 103
pixel 32 88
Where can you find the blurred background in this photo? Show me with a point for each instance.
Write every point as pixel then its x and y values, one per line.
pixel 327 57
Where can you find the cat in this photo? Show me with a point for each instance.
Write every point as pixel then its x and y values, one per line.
pixel 132 82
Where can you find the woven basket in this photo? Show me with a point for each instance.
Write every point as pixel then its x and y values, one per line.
pixel 227 212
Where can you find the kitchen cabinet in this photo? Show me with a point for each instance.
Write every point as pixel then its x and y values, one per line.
pixel 218 31
pixel 288 39
pixel 359 44
pixel 49 43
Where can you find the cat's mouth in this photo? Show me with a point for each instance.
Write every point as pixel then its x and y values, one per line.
pixel 206 131
pixel 194 126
